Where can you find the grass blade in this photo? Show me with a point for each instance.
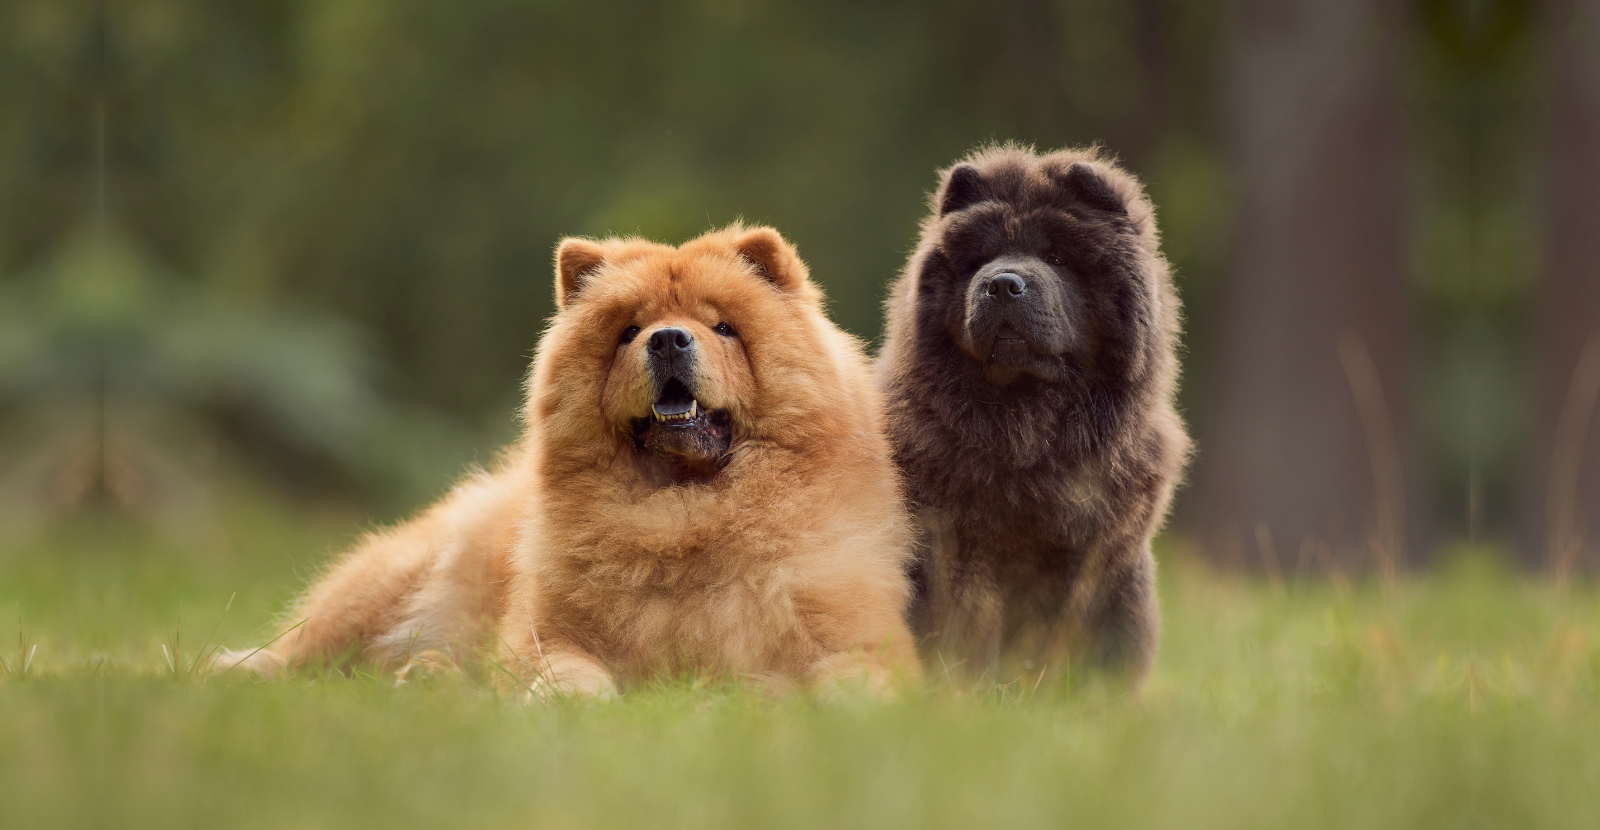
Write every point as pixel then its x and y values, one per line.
pixel 194 667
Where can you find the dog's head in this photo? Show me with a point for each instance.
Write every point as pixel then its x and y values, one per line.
pixel 682 353
pixel 1043 266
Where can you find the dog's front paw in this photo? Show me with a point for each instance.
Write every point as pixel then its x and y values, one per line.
pixel 259 662
pixel 427 664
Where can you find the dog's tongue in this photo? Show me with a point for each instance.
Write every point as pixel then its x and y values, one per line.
pixel 675 400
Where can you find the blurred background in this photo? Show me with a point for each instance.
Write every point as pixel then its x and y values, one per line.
pixel 300 252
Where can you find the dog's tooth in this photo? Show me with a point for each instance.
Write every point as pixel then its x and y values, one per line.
pixel 693 405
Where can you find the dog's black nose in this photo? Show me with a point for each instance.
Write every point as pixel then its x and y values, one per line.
pixel 670 341
pixel 1007 286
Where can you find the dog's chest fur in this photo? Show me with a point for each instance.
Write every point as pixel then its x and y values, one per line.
pixel 712 590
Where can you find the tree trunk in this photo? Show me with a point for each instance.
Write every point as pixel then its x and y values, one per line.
pixel 1307 459
pixel 1564 491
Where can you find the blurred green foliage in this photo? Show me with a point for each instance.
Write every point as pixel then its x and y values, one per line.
pixel 323 231
pixel 410 166
pixel 1475 81
pixel 121 381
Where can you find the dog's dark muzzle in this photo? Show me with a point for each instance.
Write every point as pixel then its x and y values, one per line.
pixel 678 425
pixel 1018 317
pixel 671 352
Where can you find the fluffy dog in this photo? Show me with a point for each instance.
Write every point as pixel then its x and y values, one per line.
pixel 1030 370
pixel 703 486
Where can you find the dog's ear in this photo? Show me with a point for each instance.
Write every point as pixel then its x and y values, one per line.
pixel 576 260
pixel 962 187
pixel 771 257
pixel 1080 182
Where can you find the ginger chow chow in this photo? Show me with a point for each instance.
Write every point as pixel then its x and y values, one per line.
pixel 703 487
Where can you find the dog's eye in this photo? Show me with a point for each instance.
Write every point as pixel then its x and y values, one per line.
pixel 1053 260
pixel 629 333
pixel 723 329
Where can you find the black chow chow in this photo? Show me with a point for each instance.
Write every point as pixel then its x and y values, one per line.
pixel 1030 370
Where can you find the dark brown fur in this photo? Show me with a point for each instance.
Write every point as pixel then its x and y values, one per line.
pixel 1036 430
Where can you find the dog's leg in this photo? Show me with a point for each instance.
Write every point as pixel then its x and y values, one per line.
pixel 960 619
pixel 552 667
pixel 1123 620
pixel 879 670
pixel 402 590
pixel 968 615
pixel 358 600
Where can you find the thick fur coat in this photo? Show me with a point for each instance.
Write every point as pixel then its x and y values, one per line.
pixel 1030 370
pixel 703 487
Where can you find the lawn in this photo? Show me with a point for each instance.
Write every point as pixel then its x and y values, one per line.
pixel 1464 699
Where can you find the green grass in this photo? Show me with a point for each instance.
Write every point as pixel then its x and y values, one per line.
pixel 1466 699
